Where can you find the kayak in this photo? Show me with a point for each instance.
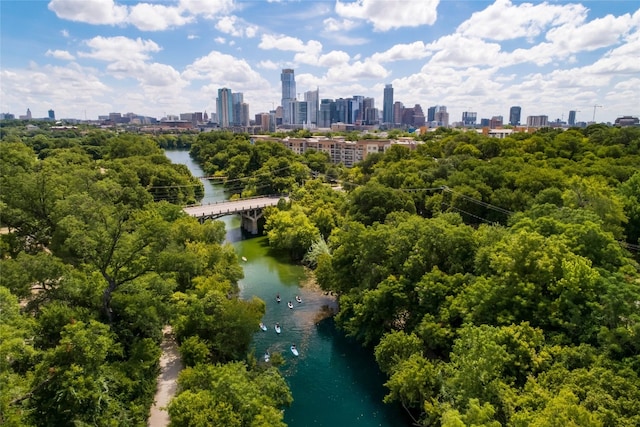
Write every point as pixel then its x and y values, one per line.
pixel 263 326
pixel 290 304
pixel 244 259
pixel 298 298
pixel 267 357
pixel 294 350
pixel 277 328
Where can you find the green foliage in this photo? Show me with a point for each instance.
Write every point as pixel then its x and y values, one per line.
pixel 290 231
pixel 95 264
pixel 507 311
pixel 229 395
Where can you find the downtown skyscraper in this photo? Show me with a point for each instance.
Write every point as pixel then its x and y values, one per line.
pixel 387 105
pixel 288 95
pixel 224 105
pixel 514 115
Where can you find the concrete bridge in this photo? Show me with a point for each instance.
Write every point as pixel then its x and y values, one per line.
pixel 249 209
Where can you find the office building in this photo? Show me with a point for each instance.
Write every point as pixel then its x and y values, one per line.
pixel 312 98
pixel 431 114
pixel 288 95
pixel 387 105
pixel 469 118
pixel 370 112
pixel 441 116
pixel 327 113
pixel 52 115
pixel 496 122
pixel 514 115
pixel 398 108
pixel 537 121
pixel 224 105
pixel 237 99
pixel 572 118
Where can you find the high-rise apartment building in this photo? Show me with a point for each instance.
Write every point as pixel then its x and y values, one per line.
pixel 398 108
pixel 288 95
pixel 537 121
pixel 514 115
pixel 312 98
pixel 572 118
pixel 52 115
pixel 387 105
pixel 224 105
pixel 370 112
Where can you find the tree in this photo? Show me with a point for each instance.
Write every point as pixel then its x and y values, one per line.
pixel 373 202
pixel 71 384
pixel 229 395
pixel 290 231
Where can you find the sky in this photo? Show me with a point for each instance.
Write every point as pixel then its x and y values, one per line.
pixel 85 58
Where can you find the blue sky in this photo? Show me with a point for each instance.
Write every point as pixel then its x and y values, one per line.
pixel 91 57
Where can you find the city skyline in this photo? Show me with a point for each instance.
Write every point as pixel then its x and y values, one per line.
pixel 85 59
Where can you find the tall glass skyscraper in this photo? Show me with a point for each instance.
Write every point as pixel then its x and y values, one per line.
pixel 288 95
pixel 572 118
pixel 224 105
pixel 387 105
pixel 514 116
pixel 312 98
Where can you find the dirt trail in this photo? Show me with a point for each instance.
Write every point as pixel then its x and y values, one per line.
pixel 170 367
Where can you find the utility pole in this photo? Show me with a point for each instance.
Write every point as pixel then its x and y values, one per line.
pixel 594 111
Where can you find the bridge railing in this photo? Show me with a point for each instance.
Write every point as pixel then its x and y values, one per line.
pixel 270 196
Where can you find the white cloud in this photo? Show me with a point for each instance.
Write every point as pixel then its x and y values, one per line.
pixel 335 25
pixel 105 12
pixel 358 70
pixel 64 33
pixel 333 58
pixel 207 8
pixel 458 51
pixel 192 37
pixel 220 40
pixel 60 54
pixel 146 16
pixel 251 31
pixel 505 21
pixel 161 75
pixel 119 49
pixel 593 35
pixel 618 61
pixel 282 42
pixel 224 70
pixel 227 25
pixel 154 17
pixel 310 55
pixel 399 52
pixel 388 15
pixel 268 65
pixel 236 27
pixel 68 89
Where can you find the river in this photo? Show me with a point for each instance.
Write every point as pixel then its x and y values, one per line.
pixel 334 382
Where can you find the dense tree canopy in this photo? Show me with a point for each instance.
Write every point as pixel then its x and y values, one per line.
pixel 490 275
pixel 96 257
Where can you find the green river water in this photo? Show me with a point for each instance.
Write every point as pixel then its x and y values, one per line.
pixel 334 382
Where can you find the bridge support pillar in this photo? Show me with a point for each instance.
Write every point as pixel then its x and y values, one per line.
pixel 250 220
